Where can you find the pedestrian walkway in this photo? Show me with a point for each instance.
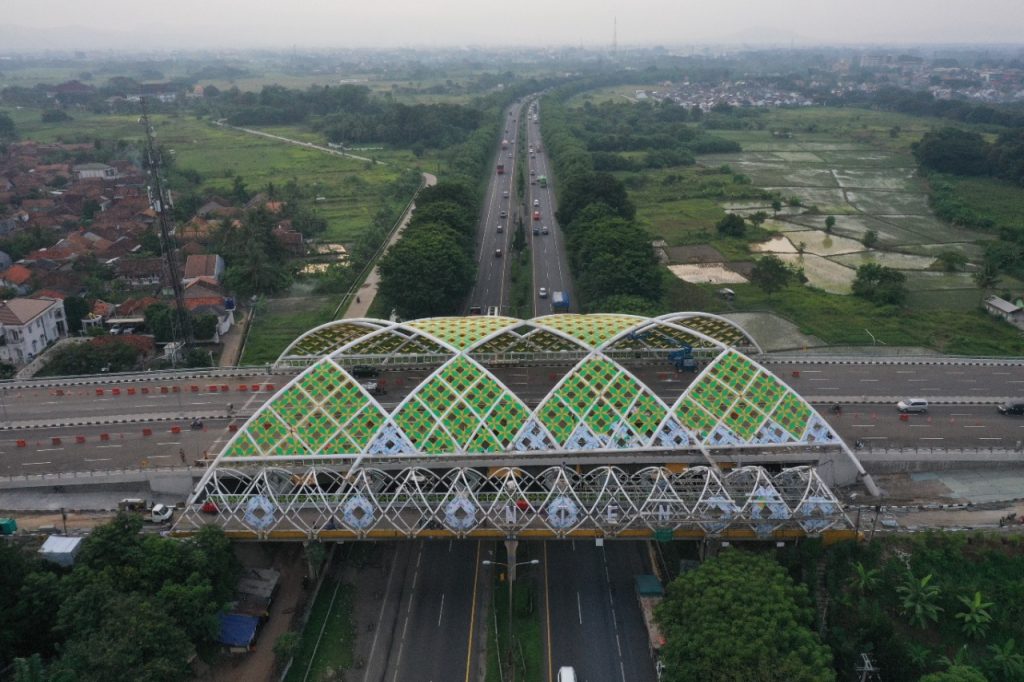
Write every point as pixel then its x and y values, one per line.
pixel 360 305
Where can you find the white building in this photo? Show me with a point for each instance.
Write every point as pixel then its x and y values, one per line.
pixel 95 170
pixel 28 326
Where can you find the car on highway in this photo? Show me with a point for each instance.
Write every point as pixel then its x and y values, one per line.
pixel 497 253
pixel 542 292
pixel 566 674
pixel 474 310
pixel 536 202
pixel 1011 407
pixel 544 230
pixel 161 513
pixel 536 215
pixel 510 155
pixel 501 228
pixel 912 405
pixel 503 214
pixel 533 172
pixel 505 194
pixel 492 311
pixel 536 230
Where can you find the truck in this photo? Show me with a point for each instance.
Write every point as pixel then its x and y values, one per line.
pixel 542 181
pixel 649 594
pixel 504 144
pixel 559 299
pixel 501 169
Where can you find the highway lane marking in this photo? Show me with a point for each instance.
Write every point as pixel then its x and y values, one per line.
pixel 989 438
pixel 932 438
pixel 863 426
pixel 173 442
pixel 408 612
pixel 875 438
pixel 974 426
pixel 440 612
pixel 579 606
pixel 380 618
pixel 868 380
pixel 615 618
pixel 811 371
pixel 100 459
pixel 202 403
pixel 821 379
pixel 472 612
pixel 33 464
pixel 49 449
pixel 906 371
pixel 547 614
pixel 159 456
pixel 920 426
pixel 960 414
pixel 917 380
pixel 109 446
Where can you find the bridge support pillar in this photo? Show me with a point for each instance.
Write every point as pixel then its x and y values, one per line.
pixel 511 545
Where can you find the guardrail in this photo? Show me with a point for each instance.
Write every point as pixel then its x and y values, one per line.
pixel 134 377
pixel 87 476
pixel 893 399
pixel 987 361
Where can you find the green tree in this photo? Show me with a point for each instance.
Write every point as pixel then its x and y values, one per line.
pixel 239 192
pixel 286 646
pixel 975 620
pixel 427 273
pixel 55 116
pixel 830 222
pixel 75 309
pixel 204 326
pixel 7 130
pixel 917 600
pixel 870 239
pixel 732 225
pixel 956 673
pixel 770 274
pixel 879 284
pixel 987 276
pixel 951 150
pixel 865 580
pixel 1006 661
pixel 951 260
pixel 740 617
pixel 776 206
pixel 584 189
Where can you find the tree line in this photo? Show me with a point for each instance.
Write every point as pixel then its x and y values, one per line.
pixel 610 254
pixel 133 607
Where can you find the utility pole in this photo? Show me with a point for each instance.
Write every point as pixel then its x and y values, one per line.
pixel 160 200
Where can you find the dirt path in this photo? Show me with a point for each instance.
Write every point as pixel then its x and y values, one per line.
pixel 258 665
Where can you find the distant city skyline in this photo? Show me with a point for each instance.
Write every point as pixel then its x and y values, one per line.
pixel 194 24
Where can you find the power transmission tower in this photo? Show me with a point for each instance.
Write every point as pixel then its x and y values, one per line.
pixel 160 200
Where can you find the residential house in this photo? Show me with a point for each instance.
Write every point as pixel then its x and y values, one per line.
pixel 209 267
pixel 28 326
pixel 202 297
pixel 140 272
pixel 95 170
pixel 289 239
pixel 1011 312
pixel 16 277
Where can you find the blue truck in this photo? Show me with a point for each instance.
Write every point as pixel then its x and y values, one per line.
pixel 559 299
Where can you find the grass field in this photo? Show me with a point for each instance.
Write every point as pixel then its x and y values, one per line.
pixel 335 646
pixel 527 648
pixel 279 321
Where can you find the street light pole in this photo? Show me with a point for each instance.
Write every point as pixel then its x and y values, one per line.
pixel 511 567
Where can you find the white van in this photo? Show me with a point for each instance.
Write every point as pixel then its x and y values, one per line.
pixel 566 674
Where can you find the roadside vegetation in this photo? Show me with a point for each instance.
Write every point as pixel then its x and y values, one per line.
pixel 134 607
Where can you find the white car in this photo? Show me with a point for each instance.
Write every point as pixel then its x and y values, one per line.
pixel 542 292
pixel 536 202
pixel 161 513
pixel 912 405
pixel 505 194
pixel 544 230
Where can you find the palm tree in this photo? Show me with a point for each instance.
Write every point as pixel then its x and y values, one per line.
pixel 1007 660
pixel 917 600
pixel 865 580
pixel 976 618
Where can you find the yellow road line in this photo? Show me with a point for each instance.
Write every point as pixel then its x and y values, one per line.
pixel 472 612
pixel 547 609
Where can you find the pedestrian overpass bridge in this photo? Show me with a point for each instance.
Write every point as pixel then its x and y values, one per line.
pixel 554 427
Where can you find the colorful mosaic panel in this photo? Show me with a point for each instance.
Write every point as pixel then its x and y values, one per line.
pixel 592 330
pixel 712 395
pixel 461 422
pixel 364 425
pixel 765 391
pixel 242 447
pixel 558 419
pixel 792 414
pixel 658 336
pixel 267 430
pixel 695 418
pixel 416 420
pixel 645 415
pixel 602 418
pixel 340 444
pixel 720 330
pixel 292 404
pixel 542 340
pixel 439 443
pixel 395 342
pixel 460 373
pixel 462 332
pixel 501 343
pixel 317 429
pixel 507 418
pixel 483 394
pixel 328 339
pixel 483 441
pixel 734 370
pixel 323 380
pixel 743 420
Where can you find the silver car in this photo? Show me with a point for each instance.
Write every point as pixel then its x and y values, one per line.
pixel 912 405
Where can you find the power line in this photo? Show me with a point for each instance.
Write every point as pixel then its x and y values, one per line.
pixel 160 201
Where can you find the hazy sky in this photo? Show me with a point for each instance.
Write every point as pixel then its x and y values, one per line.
pixel 386 23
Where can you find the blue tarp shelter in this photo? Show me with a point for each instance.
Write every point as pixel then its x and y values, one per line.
pixel 237 630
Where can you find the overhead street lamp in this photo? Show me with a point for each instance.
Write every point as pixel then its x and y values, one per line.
pixel 511 577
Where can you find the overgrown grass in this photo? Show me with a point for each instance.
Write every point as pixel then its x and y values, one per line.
pixel 280 321
pixel 521 287
pixel 527 646
pixel 846 320
pixel 335 651
pixel 989 199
